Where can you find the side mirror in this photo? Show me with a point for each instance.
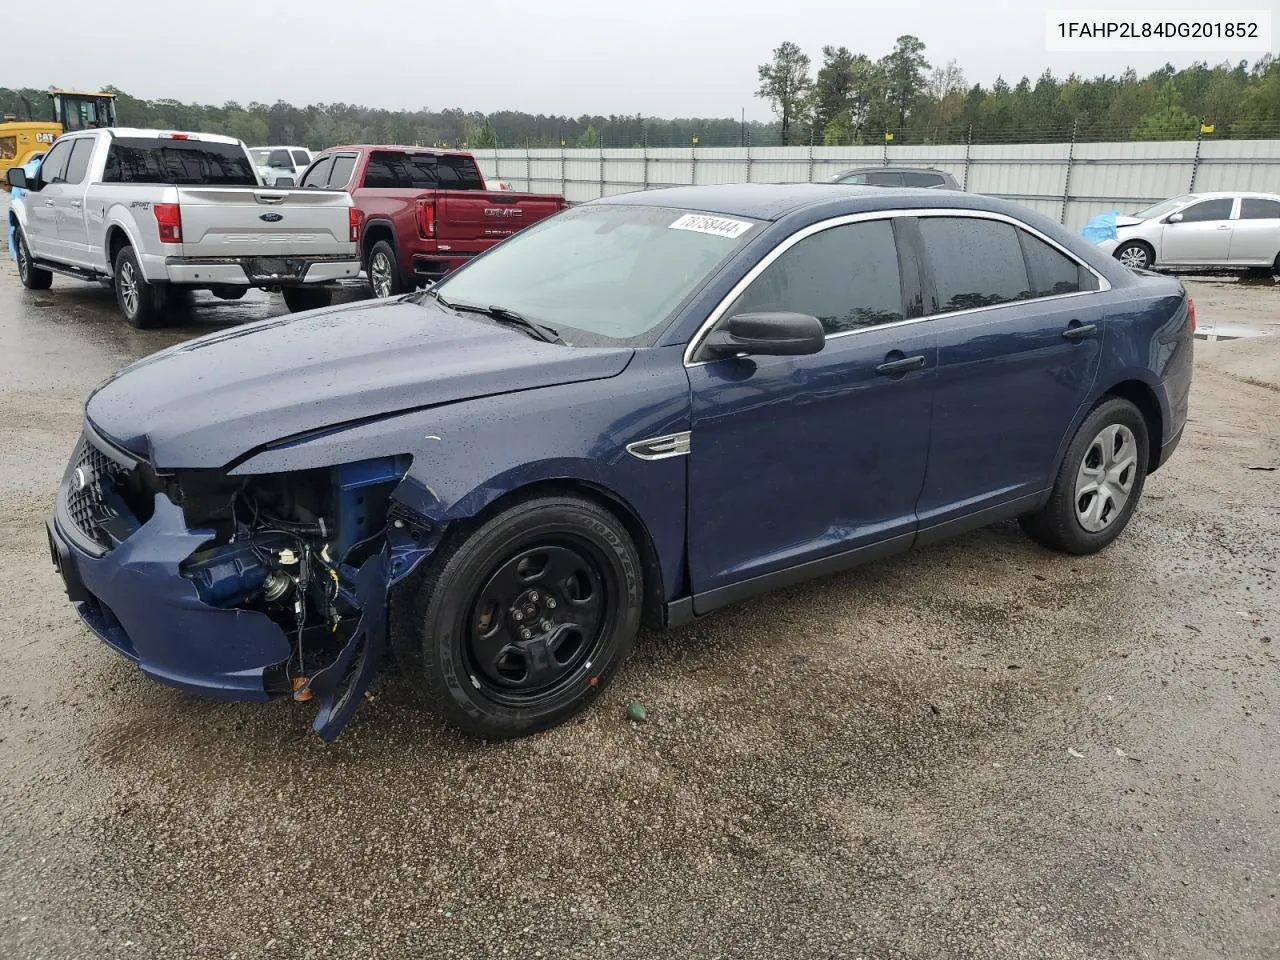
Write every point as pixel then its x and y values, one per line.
pixel 17 178
pixel 768 335
pixel 1173 218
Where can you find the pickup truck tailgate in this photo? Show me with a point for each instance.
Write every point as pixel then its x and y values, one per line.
pixel 469 215
pixel 264 222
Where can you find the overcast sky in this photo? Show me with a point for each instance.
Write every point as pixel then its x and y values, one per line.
pixel 656 57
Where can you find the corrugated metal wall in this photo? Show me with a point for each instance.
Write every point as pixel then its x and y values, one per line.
pixel 1069 182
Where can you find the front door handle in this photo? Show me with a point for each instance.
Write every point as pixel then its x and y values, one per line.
pixel 1225 226
pixel 1079 331
pixel 76 204
pixel 895 368
pixel 48 203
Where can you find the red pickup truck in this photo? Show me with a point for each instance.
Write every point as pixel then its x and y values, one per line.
pixel 423 212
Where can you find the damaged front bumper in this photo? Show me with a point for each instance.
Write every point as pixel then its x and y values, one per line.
pixel 130 590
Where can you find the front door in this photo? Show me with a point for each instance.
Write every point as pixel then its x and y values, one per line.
pixel 1018 350
pixel 1202 236
pixel 799 460
pixel 42 214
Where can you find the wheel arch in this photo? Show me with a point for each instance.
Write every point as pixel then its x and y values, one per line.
pixel 1139 241
pixel 375 230
pixel 1142 396
pixel 654 607
pixel 114 240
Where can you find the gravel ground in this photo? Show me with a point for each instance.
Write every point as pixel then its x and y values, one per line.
pixel 978 750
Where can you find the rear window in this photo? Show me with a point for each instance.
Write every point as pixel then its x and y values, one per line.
pixel 178 162
pixel 922 179
pixel 421 171
pixel 300 158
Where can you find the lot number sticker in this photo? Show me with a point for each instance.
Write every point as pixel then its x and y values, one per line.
pixel 716 226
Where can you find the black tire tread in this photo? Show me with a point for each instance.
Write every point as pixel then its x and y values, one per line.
pixel 152 298
pixel 398 284
pixel 36 278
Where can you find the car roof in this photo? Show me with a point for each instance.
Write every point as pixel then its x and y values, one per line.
pixel 772 201
pixel 892 168
pixel 402 147
pixel 149 133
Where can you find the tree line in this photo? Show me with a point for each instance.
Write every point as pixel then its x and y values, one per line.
pixel 902 97
pixel 850 98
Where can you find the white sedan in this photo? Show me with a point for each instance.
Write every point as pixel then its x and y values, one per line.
pixel 1201 230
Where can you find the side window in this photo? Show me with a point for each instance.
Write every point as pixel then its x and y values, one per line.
pixel 847 277
pixel 342 167
pixel 976 262
pixel 1052 272
pixel 78 165
pixel 300 158
pixel 380 174
pixel 318 175
pixel 1255 208
pixel 54 168
pixel 857 179
pixel 1208 210
pixel 881 179
pixel 922 179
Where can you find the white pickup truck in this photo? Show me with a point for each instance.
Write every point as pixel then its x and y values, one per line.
pixel 150 211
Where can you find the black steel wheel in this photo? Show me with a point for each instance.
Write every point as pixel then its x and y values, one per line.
pixel 517 626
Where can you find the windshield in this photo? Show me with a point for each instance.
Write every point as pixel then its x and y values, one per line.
pixel 602 274
pixel 1163 207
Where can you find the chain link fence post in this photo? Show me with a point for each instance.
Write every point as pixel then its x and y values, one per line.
pixel 748 156
pixel 968 149
pixel 811 154
pixel 644 146
pixel 602 174
pixel 1066 183
pixel 1195 163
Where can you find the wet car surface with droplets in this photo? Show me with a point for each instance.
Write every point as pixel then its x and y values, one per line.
pixel 980 749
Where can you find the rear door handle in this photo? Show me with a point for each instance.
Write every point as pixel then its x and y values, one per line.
pixel 76 204
pixel 892 368
pixel 1079 331
pixel 1225 226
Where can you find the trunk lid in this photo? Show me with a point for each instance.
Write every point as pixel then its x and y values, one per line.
pixel 264 222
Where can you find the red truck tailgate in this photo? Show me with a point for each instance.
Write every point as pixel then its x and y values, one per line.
pixel 470 215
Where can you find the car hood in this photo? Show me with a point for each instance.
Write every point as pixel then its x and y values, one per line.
pixel 209 401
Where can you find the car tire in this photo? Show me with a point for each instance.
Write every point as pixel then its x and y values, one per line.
pixel 298 299
pixel 1099 482
pixel 142 302
pixel 229 292
pixel 1136 255
pixel 560 564
pixel 384 271
pixel 32 277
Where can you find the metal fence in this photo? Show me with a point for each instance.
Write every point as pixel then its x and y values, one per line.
pixel 1070 182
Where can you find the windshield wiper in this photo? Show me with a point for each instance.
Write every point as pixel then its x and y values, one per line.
pixel 508 318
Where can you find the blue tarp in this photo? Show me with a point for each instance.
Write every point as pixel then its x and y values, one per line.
pixel 1102 227
pixel 31 166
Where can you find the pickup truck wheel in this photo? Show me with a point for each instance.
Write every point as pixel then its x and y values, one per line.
pixel 384 272
pixel 520 624
pixel 228 292
pixel 142 302
pixel 32 277
pixel 298 299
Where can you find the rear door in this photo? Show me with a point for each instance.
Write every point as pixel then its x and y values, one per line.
pixel 1202 236
pixel 1019 339
pixel 73 228
pixel 1255 235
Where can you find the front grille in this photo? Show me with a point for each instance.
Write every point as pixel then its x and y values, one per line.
pixel 91 492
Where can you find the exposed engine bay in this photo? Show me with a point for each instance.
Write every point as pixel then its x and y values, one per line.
pixel 309 550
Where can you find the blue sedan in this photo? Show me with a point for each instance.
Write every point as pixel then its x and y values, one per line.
pixel 642 409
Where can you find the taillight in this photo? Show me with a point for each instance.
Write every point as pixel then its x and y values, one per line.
pixel 169 220
pixel 427 217
pixel 1191 312
pixel 353 221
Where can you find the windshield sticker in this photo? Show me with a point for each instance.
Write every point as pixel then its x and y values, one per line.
pixel 716 226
